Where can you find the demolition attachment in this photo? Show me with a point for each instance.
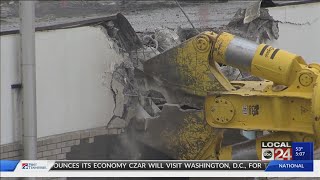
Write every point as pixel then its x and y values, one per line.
pixel 286 104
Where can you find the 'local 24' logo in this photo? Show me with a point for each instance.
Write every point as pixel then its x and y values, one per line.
pixel 276 150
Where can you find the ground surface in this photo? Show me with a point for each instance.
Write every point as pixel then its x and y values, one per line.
pixel 146 15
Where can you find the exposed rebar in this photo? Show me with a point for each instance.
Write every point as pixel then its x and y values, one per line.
pixel 187 17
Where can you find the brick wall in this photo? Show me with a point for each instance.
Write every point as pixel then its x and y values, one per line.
pixel 56 147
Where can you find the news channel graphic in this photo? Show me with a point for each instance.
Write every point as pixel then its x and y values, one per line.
pixel 76 165
pixel 287 155
pixel 142 168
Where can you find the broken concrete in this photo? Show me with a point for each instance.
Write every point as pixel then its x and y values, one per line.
pixel 143 101
pixel 131 86
pixel 260 29
pixel 117 123
pixel 166 38
pixel 130 95
pixel 139 98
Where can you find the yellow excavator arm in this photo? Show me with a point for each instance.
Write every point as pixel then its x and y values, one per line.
pixel 286 104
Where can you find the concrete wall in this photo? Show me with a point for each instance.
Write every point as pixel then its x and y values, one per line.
pixel 73 69
pixel 299 28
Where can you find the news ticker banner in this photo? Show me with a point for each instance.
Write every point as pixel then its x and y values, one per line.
pixel 154 168
pixel 284 158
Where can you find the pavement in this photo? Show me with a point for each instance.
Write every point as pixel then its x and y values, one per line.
pixel 143 15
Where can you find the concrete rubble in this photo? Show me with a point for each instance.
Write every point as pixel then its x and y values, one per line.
pixel 140 99
pixel 166 38
pixel 137 97
pixel 260 29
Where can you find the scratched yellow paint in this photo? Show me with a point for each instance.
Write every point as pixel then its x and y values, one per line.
pixel 193 66
pixel 190 138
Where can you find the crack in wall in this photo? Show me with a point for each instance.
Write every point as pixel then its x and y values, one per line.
pixel 298 24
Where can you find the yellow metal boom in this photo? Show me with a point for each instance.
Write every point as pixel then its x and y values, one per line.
pixel 286 104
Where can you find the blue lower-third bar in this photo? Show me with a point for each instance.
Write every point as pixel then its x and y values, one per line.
pixel 8 165
pixel 299 165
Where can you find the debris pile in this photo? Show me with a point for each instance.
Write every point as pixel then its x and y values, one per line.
pixel 140 99
pixel 134 96
pixel 166 38
pixel 260 29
